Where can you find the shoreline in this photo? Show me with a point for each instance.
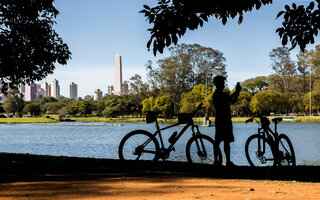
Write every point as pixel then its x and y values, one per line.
pixel 29 120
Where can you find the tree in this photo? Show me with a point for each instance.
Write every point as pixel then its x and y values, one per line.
pixel 63 99
pixel 171 19
pixel 29 45
pixel 315 101
pixel 84 108
pixel 110 112
pixel 88 98
pixel 283 67
pixel 267 101
pixel 190 100
pixel 48 99
pixel 137 85
pixel 147 105
pixel 164 105
pixel 54 107
pixel 242 106
pixel 72 108
pixel 98 107
pixel 32 108
pixel 254 85
pixel 294 103
pixel 14 102
pixel 187 66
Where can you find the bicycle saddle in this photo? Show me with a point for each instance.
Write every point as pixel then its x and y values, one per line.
pixel 277 120
pixel 151 116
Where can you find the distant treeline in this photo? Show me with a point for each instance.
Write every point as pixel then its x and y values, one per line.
pixel 184 79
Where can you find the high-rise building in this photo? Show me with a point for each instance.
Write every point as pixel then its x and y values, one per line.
pixel 21 88
pixel 73 91
pixel 97 95
pixel 2 96
pixel 118 78
pixel 45 89
pixel 110 89
pixel 55 88
pixel 30 92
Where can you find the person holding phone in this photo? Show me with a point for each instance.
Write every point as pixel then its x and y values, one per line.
pixel 223 124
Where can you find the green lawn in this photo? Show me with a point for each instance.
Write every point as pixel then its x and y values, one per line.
pixel 26 120
pixel 55 118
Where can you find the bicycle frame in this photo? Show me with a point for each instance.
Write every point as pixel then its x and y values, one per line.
pixel 171 146
pixel 269 134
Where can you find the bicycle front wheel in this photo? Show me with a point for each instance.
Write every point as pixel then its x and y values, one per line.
pixel 259 151
pixel 285 154
pixel 200 149
pixel 138 145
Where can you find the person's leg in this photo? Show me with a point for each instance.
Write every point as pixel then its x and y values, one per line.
pixel 229 163
pixel 227 151
pixel 216 150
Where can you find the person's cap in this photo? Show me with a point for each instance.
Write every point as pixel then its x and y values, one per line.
pixel 218 79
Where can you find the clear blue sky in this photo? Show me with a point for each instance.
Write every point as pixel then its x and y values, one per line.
pixel 97 30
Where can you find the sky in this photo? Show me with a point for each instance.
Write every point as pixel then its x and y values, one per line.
pixel 98 30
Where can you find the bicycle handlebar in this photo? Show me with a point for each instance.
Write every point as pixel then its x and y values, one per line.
pixel 198 108
pixel 262 118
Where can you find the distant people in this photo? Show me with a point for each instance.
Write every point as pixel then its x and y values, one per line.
pixel 221 101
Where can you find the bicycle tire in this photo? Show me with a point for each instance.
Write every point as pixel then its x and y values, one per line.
pixel 256 157
pixel 285 152
pixel 130 144
pixel 206 153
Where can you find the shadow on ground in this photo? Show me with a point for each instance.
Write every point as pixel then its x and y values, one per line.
pixel 25 167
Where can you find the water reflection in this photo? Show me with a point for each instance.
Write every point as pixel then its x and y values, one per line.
pixel 101 140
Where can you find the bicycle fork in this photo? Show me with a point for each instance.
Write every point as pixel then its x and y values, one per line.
pixel 262 147
pixel 202 153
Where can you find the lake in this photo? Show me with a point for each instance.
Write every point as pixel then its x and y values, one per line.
pixel 101 140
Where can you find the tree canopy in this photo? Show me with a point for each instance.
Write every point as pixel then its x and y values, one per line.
pixel 171 19
pixel 29 46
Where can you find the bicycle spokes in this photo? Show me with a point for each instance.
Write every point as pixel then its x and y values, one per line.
pixel 138 146
pixel 259 151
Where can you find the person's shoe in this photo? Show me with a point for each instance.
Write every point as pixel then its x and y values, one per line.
pixel 230 164
pixel 217 163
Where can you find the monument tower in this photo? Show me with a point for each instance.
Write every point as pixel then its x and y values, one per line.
pixel 118 78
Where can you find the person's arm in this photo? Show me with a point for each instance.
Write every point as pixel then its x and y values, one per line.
pixel 234 96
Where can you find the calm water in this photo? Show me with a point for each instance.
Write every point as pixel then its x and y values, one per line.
pixel 86 140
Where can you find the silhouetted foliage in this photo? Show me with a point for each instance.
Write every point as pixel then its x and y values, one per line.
pixel 300 24
pixel 29 45
pixel 170 19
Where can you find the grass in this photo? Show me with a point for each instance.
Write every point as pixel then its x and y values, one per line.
pixel 26 120
pixel 55 119
pixel 307 119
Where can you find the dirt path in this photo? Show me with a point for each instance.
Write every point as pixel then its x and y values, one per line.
pixel 173 187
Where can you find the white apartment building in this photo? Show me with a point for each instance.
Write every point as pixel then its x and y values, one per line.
pixel 55 88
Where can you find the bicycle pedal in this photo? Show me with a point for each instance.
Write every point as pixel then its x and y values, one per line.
pixel 173 149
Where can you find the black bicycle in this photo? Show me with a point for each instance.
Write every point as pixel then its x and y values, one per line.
pixel 142 145
pixel 268 148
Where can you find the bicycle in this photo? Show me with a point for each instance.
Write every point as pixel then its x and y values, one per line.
pixel 143 145
pixel 268 148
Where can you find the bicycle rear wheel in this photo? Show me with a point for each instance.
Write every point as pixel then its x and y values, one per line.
pixel 138 145
pixel 200 149
pixel 259 151
pixel 285 154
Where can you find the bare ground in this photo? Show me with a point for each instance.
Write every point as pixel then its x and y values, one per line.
pixel 38 177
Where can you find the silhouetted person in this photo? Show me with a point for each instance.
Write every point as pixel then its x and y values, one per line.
pixel 221 101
